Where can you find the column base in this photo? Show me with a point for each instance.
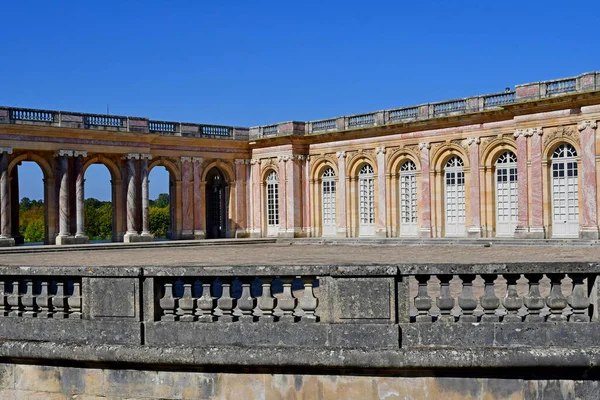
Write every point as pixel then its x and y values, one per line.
pixel 132 237
pixel 425 233
pixel 286 234
pixel 341 233
pixel 241 233
pixel 381 233
pixel 199 234
pixel 187 234
pixel 7 242
pixel 474 232
pixel 147 237
pixel 64 240
pixel 533 232
pixel 589 233
pixel 256 233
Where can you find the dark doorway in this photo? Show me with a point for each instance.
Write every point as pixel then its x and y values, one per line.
pixel 216 204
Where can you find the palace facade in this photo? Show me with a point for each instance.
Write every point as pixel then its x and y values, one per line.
pixel 517 164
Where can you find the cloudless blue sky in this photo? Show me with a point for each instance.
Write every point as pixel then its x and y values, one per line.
pixel 250 63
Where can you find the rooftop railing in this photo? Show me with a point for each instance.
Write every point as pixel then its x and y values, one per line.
pixel 495 101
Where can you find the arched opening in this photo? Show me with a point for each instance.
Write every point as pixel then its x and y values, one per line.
pixel 328 200
pixel 272 203
pixel 408 199
pixel 28 204
pixel 565 192
pixel 454 189
pixel 217 202
pixel 366 201
pixel 160 213
pixel 99 215
pixel 507 199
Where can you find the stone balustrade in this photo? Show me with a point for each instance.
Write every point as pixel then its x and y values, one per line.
pixel 371 306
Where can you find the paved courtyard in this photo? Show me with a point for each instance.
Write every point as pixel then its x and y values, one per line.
pixel 307 254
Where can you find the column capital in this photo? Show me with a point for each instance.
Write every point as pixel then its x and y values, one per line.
pixel 284 158
pixel 63 153
pixel 77 153
pixel 302 157
pixel 131 156
pixel 424 145
pixel 254 161
pixel 145 156
pixel 471 141
pixel 240 161
pixel 341 154
pixel 7 150
pixel 186 159
pixel 519 132
pixel 197 160
pixel 586 124
pixel 381 150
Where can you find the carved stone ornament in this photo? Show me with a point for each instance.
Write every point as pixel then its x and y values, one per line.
pixel 562 131
pixel 426 145
pixel 80 153
pixel 341 154
pixel 197 160
pixel 586 124
pixel 7 150
pixel 146 156
pixel 186 159
pixel 64 153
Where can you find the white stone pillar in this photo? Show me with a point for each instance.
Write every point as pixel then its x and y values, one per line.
pixel 381 227
pixel 145 197
pixel 589 228
pixel 63 197
pixel 79 196
pixel 5 203
pixel 132 233
pixel 341 195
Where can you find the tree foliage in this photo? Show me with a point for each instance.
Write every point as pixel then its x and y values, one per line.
pixel 98 219
pixel 31 220
pixel 159 221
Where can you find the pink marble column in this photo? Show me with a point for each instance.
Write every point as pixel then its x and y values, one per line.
pixel 341 195
pixel 589 229
pixel 257 208
pixel 293 198
pixel 145 195
pixel 5 208
pixel 186 198
pixel 474 229
pixel 198 200
pixel 63 197
pixel 522 230
pixel 240 197
pixel 536 230
pixel 381 226
pixel 306 195
pixel 131 195
pixel 425 191
pixel 79 194
pixel 282 160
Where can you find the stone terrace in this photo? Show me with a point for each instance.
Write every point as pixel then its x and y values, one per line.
pixel 302 254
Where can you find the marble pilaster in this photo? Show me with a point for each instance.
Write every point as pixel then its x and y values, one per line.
pixel 425 230
pixel 522 230
pixel 341 195
pixel 381 226
pixel 587 137
pixel 536 230
pixel 474 229
pixel 256 206
pixel 5 203
pixel 240 190
pixel 199 204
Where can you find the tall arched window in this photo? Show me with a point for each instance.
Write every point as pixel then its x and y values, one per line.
pixel 272 204
pixel 366 201
pixel 455 196
pixel 507 210
pixel 328 200
pixel 408 199
pixel 565 192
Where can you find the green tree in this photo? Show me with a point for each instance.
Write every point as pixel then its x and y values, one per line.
pixel 98 219
pixel 161 201
pixel 31 220
pixel 159 219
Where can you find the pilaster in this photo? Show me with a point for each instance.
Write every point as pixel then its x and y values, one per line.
pixel 5 204
pixel 240 198
pixel 425 230
pixel 342 230
pixel 381 226
pixel 589 228
pixel 522 230
pixel 536 230
pixel 256 205
pixel 199 205
pixel 474 229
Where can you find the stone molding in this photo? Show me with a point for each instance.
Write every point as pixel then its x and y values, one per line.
pixel 63 153
pixel 586 124
pixel 7 150
pixel 80 153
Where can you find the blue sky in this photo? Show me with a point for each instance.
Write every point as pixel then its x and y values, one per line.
pixel 258 62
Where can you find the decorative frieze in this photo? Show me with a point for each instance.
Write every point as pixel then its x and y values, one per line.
pixel 562 131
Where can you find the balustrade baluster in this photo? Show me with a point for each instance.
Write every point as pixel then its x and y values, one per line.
pixel 186 304
pixel 422 300
pixel 489 302
pixel 246 302
pixel 556 301
pixel 286 302
pixel 266 302
pixel 3 304
pixel 578 300
pixel 59 301
pixel 168 303
pixel 308 302
pixel 206 303
pixel 466 301
pixel 226 303
pixel 512 302
pixel 74 302
pixel 42 301
pixel 445 301
pixel 28 300
pixel 14 300
pixel 534 302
